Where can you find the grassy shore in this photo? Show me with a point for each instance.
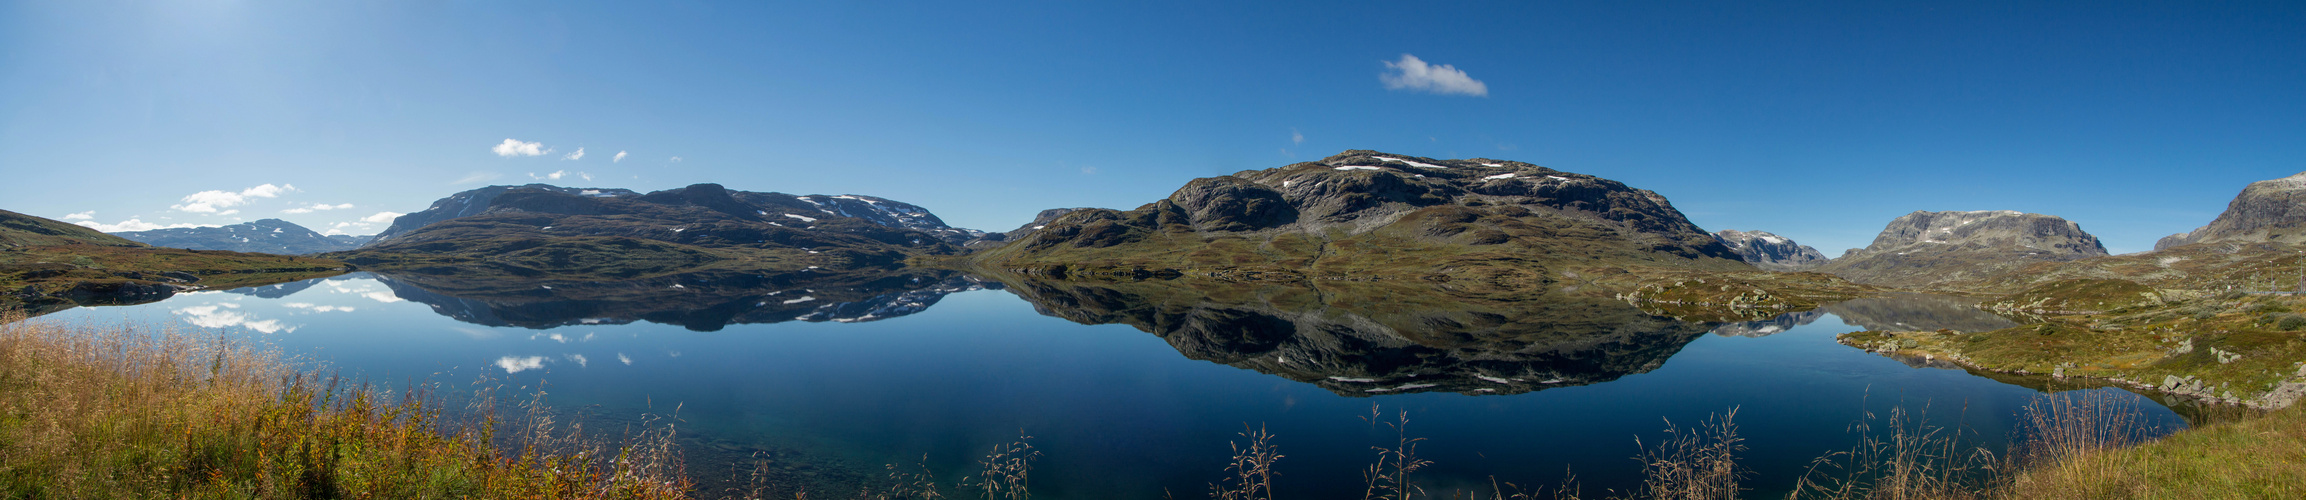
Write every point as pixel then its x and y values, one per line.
pixel 114 412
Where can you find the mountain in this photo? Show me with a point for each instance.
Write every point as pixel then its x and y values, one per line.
pixel 1041 220
pixel 621 234
pixel 474 202
pixel 47 265
pixel 1770 251
pixel 2268 210
pixel 1926 249
pixel 19 230
pixel 351 241
pixel 1364 213
pixel 273 236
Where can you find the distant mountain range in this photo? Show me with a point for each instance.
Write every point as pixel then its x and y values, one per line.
pixel 273 236
pixel 1770 251
pixel 621 233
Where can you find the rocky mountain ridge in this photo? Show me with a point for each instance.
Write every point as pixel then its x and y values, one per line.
pixel 1925 249
pixel 1365 212
pixel 2271 210
pixel 273 236
pixel 1770 251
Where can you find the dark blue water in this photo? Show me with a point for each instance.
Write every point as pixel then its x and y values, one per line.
pixel 945 372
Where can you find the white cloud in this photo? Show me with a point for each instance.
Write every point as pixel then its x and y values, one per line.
pixel 209 316
pixel 1088 170
pixel 587 176
pixel 133 225
pixel 385 297
pixel 477 177
pixel 381 217
pixel 211 201
pixel 516 365
pixel 676 159
pixel 229 212
pixel 628 360
pixel 1413 74
pixel 510 148
pixel 91 214
pixel 578 155
pixel 578 358
pixel 316 206
pixel 619 157
pixel 1295 137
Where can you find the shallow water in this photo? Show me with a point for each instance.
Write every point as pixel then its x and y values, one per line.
pixel 1129 390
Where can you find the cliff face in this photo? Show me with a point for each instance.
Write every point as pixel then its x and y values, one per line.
pixel 1365 212
pixel 1933 249
pixel 1770 251
pixel 2269 210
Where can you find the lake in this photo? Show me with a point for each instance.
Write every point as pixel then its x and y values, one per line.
pixel 1129 390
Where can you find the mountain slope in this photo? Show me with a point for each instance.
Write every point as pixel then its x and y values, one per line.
pixel 1948 249
pixel 2268 210
pixel 18 230
pixel 621 234
pixel 273 236
pixel 1770 251
pixel 1365 213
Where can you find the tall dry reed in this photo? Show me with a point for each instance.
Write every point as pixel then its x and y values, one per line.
pixel 125 411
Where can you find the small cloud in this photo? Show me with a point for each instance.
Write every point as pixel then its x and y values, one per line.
pixel 477 177
pixel 316 207
pixel 1088 170
pixel 133 225
pixel 510 148
pixel 381 217
pixel 211 201
pixel 619 157
pixel 578 155
pixel 1295 137
pixel 229 212
pixel 1413 74
pixel 558 174
pixel 676 159
pixel 516 365
pixel 91 214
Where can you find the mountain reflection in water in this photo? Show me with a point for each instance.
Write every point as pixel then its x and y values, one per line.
pixel 1897 312
pixel 1363 339
pixel 702 300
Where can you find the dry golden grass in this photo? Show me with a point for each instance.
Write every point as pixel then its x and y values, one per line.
pixel 2262 457
pixel 120 412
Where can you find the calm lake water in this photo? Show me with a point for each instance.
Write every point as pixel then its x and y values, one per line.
pixel 1128 390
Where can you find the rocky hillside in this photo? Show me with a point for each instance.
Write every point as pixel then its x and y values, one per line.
pixel 19 230
pixel 273 236
pixel 1770 251
pixel 1926 250
pixel 622 234
pixel 2269 210
pixel 1365 213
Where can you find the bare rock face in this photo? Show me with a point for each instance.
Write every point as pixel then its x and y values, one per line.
pixel 2268 210
pixel 1770 251
pixel 1927 249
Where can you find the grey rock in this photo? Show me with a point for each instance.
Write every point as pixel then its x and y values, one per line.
pixel 1929 249
pixel 2268 210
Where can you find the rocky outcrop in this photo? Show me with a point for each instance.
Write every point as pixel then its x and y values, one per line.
pixel 2269 210
pixel 1770 251
pixel 273 236
pixel 1947 249
pixel 1366 213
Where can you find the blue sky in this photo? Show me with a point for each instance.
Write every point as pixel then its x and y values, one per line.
pixel 1820 121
